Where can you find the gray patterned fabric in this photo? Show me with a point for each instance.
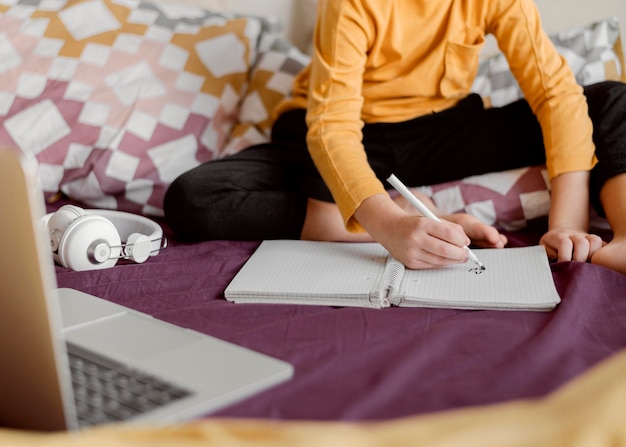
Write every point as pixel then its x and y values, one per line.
pixel 592 51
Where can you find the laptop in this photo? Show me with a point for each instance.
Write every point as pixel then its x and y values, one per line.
pixel 55 342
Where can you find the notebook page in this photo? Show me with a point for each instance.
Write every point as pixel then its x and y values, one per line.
pixel 514 278
pixel 307 272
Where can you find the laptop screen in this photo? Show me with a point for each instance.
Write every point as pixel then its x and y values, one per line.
pixel 31 395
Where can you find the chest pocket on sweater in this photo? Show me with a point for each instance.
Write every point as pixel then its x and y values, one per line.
pixel 460 67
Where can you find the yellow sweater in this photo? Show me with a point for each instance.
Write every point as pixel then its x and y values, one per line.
pixel 393 60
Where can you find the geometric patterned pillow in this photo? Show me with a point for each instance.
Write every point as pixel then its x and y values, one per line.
pixel 116 98
pixel 594 53
pixel 271 81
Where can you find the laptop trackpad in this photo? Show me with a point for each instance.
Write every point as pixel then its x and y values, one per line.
pixel 128 336
pixel 79 308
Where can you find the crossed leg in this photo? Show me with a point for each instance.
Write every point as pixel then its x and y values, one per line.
pixel 613 197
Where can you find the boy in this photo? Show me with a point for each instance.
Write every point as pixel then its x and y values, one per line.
pixel 387 91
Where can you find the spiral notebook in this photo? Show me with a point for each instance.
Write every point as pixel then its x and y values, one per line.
pixel 365 275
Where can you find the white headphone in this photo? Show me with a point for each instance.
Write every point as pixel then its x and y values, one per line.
pixel 95 239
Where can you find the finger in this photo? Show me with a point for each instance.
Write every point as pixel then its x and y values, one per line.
pixel 550 252
pixel 580 251
pixel 434 252
pixel 436 244
pixel 447 253
pixel 565 248
pixel 425 259
pixel 447 232
pixel 502 242
pixel 444 251
pixel 595 244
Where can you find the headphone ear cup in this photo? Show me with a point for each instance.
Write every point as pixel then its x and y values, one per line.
pixel 138 247
pixel 90 243
pixel 60 221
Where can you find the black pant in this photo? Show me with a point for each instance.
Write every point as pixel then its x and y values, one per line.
pixel 262 192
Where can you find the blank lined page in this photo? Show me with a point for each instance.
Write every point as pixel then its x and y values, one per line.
pixel 514 278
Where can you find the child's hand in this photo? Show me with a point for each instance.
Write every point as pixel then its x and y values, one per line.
pixel 421 243
pixel 416 241
pixel 481 234
pixel 564 244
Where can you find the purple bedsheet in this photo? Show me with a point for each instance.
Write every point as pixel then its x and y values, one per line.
pixel 361 364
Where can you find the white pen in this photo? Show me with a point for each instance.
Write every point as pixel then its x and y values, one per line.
pixel 417 203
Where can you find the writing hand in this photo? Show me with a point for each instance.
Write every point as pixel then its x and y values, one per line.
pixel 421 243
pixel 418 242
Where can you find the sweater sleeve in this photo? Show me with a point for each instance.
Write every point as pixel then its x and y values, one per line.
pixel 335 102
pixel 548 85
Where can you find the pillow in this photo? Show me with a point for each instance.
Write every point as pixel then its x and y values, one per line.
pixel 213 5
pixel 116 98
pixel 594 52
pixel 272 76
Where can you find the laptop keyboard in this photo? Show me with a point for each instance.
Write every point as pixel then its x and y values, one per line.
pixel 106 391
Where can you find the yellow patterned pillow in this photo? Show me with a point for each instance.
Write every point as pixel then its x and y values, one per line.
pixel 116 99
pixel 279 61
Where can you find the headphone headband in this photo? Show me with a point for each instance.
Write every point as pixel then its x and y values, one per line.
pixel 128 223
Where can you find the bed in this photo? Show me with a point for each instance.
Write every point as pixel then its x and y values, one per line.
pixel 366 376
